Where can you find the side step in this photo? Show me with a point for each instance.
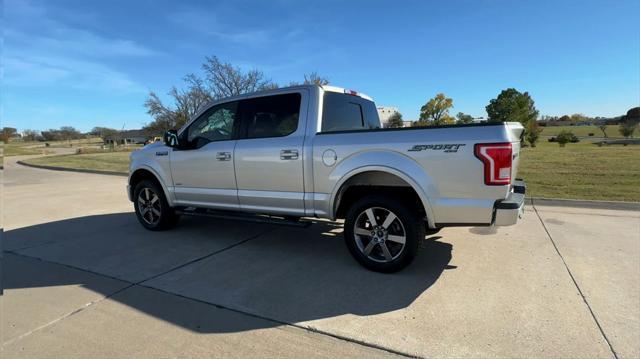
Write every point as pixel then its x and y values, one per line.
pixel 257 218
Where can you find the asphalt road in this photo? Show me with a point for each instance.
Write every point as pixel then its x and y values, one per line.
pixel 83 279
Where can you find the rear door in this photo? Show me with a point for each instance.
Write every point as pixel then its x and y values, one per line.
pixel 268 154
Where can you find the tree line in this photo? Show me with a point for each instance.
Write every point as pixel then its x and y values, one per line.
pixel 512 105
pixel 64 133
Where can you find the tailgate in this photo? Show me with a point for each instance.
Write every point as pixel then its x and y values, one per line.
pixel 515 131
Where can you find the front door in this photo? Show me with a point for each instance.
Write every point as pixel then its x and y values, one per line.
pixel 269 154
pixel 203 167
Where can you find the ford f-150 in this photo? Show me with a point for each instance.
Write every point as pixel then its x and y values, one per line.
pixel 320 151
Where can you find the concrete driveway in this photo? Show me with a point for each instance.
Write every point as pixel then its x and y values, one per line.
pixel 83 279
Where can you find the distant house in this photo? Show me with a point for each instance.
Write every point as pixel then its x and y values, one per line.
pixel 385 112
pixel 127 137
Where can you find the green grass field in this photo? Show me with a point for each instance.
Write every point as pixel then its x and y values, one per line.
pixel 582 171
pixel 577 171
pixel 108 161
pixel 583 131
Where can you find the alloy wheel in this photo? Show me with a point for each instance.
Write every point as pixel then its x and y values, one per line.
pixel 380 234
pixel 149 206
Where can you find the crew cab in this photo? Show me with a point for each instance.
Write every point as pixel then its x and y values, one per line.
pixel 320 151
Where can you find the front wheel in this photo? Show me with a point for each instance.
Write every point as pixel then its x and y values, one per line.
pixel 152 208
pixel 382 234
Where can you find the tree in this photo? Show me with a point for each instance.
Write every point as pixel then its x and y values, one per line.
pixel 30 135
pixel 629 122
pixel 315 79
pixel 7 133
pixel 463 118
pixel 578 117
pixel 49 135
pixel 512 105
pixel 395 120
pixel 225 80
pixel 565 137
pixel 627 128
pixel 603 128
pixel 219 80
pixel 533 133
pixel 436 111
pixel 69 133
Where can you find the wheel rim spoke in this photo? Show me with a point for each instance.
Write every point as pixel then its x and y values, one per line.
pixel 362 232
pixel 146 194
pixel 155 211
pixel 385 251
pixel 397 239
pixel 387 222
pixel 367 250
pixel 372 218
pixel 154 199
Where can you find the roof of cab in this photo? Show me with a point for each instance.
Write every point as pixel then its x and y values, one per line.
pixel 275 90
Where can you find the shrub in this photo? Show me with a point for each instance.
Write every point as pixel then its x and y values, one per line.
pixel 565 137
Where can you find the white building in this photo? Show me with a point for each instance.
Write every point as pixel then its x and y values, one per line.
pixel 384 112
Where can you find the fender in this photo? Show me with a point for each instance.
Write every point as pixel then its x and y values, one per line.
pixel 144 166
pixel 399 165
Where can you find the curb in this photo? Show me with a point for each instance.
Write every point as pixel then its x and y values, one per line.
pixel 80 170
pixel 582 203
pixel 552 202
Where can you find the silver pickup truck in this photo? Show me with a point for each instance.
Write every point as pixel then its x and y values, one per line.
pixel 320 151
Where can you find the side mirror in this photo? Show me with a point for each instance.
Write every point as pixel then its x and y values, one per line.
pixel 171 138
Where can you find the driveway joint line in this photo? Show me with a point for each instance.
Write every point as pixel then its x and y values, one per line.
pixel 205 256
pixel 295 325
pixel 140 284
pixel 575 282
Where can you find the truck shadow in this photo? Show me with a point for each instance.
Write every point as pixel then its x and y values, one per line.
pixel 276 274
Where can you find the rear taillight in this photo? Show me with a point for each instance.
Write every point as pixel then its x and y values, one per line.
pixel 497 162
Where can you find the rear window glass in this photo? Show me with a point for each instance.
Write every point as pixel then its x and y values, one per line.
pixel 343 112
pixel 271 116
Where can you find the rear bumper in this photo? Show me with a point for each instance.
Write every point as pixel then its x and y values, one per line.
pixel 510 210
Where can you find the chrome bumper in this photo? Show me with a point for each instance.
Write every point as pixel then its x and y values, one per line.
pixel 509 211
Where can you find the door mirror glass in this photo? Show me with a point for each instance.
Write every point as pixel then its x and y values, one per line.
pixel 171 138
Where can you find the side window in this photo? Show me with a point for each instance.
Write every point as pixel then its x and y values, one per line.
pixel 271 116
pixel 341 112
pixel 216 124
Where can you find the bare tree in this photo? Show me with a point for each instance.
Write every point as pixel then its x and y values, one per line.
pixel 30 135
pixel 603 128
pixel 312 79
pixel 220 80
pixel 226 80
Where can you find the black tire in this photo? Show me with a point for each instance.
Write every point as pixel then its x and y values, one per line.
pixel 395 257
pixel 162 216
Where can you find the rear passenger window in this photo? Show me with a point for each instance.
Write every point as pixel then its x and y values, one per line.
pixel 271 116
pixel 341 112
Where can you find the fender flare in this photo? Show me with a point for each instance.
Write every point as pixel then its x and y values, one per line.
pixel 424 198
pixel 155 174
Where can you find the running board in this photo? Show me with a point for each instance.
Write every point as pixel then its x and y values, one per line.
pixel 257 218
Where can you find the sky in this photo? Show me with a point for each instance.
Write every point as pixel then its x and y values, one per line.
pixel 93 63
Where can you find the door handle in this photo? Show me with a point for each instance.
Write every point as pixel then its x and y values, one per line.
pixel 223 156
pixel 288 154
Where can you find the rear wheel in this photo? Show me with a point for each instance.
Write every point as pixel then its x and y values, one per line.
pixel 152 208
pixel 382 234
